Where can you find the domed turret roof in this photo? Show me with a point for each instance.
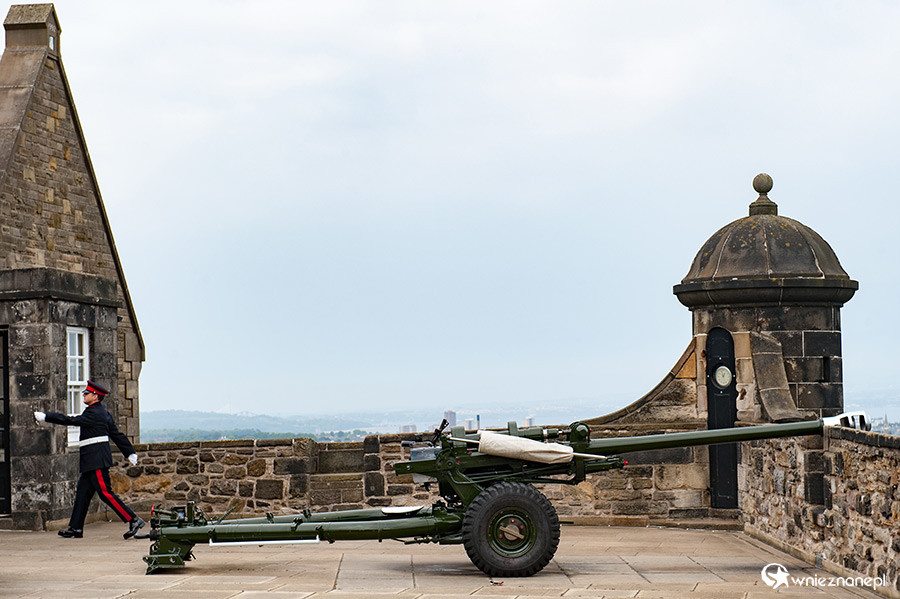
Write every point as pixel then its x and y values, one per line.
pixel 764 259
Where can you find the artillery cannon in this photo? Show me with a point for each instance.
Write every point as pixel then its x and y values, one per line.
pixel 488 500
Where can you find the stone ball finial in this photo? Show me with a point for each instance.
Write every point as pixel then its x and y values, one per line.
pixel 762 183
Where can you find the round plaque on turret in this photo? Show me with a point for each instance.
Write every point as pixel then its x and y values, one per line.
pixel 722 377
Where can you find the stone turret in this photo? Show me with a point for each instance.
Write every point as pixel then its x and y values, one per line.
pixel 777 287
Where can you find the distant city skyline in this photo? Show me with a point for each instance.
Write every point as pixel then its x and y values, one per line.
pixel 553 413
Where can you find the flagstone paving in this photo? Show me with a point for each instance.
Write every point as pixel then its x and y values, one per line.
pixel 592 562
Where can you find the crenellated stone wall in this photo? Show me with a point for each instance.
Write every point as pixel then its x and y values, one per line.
pixel 833 500
pixel 270 475
pixel 660 488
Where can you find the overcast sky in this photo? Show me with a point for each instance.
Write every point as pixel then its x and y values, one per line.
pixel 343 206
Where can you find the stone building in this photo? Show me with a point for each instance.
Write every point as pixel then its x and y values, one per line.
pixel 65 311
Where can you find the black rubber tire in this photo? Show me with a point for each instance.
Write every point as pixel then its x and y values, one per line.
pixel 510 529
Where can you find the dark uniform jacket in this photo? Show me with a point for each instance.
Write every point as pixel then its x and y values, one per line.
pixel 95 421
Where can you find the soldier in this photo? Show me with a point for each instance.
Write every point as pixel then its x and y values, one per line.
pixel 97 428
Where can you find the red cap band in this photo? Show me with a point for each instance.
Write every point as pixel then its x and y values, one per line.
pixel 93 387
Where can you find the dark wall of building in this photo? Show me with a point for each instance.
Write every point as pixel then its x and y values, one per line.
pixel 36 307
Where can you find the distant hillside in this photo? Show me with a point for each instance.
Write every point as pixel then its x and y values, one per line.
pixel 560 412
pixel 214 421
pixel 556 413
pixel 168 435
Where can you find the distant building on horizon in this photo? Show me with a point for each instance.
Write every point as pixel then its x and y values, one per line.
pixel 408 428
pixel 450 416
pixel 528 421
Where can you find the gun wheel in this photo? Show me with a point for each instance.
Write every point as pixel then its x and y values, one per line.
pixel 510 529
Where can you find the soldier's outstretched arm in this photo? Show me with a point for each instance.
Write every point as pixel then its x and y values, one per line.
pixel 80 420
pixel 57 418
pixel 121 441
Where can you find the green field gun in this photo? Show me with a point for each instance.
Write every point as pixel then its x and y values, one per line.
pixel 488 501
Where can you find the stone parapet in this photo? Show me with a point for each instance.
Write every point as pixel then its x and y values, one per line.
pixel 837 502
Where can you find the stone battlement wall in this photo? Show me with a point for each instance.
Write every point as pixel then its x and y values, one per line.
pixel 835 500
pixel 270 475
pixel 655 488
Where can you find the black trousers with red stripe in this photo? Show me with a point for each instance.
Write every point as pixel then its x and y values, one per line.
pixel 96 481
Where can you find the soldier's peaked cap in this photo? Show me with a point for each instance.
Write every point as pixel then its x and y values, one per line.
pixel 93 387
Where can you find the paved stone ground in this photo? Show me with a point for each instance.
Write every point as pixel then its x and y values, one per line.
pixel 592 562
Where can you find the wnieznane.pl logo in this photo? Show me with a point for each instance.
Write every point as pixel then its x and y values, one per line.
pixel 777 576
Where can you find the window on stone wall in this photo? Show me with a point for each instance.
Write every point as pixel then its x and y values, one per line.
pixel 78 359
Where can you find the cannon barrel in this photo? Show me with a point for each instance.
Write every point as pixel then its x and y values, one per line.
pixel 617 445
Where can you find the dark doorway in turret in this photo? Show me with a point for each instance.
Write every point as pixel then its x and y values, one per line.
pixel 5 474
pixel 721 393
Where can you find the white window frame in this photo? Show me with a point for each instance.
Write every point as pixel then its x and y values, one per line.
pixel 78 371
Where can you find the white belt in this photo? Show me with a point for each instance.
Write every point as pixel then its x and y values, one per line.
pixel 91 441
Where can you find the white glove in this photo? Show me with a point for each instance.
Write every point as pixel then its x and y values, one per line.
pixel 133 459
pixel 40 416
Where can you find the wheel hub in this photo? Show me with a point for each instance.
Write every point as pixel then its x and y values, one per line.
pixel 511 534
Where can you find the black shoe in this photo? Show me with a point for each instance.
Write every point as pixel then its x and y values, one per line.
pixel 134 526
pixel 71 533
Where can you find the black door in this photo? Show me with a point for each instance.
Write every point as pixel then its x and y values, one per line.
pixel 5 486
pixel 721 393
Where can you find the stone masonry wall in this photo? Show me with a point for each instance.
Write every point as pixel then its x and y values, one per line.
pixel 810 341
pixel 49 204
pixel 849 519
pixel 43 474
pixel 655 488
pixel 273 475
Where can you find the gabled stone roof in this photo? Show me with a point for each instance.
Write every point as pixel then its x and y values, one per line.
pixel 32 50
pixel 30 15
